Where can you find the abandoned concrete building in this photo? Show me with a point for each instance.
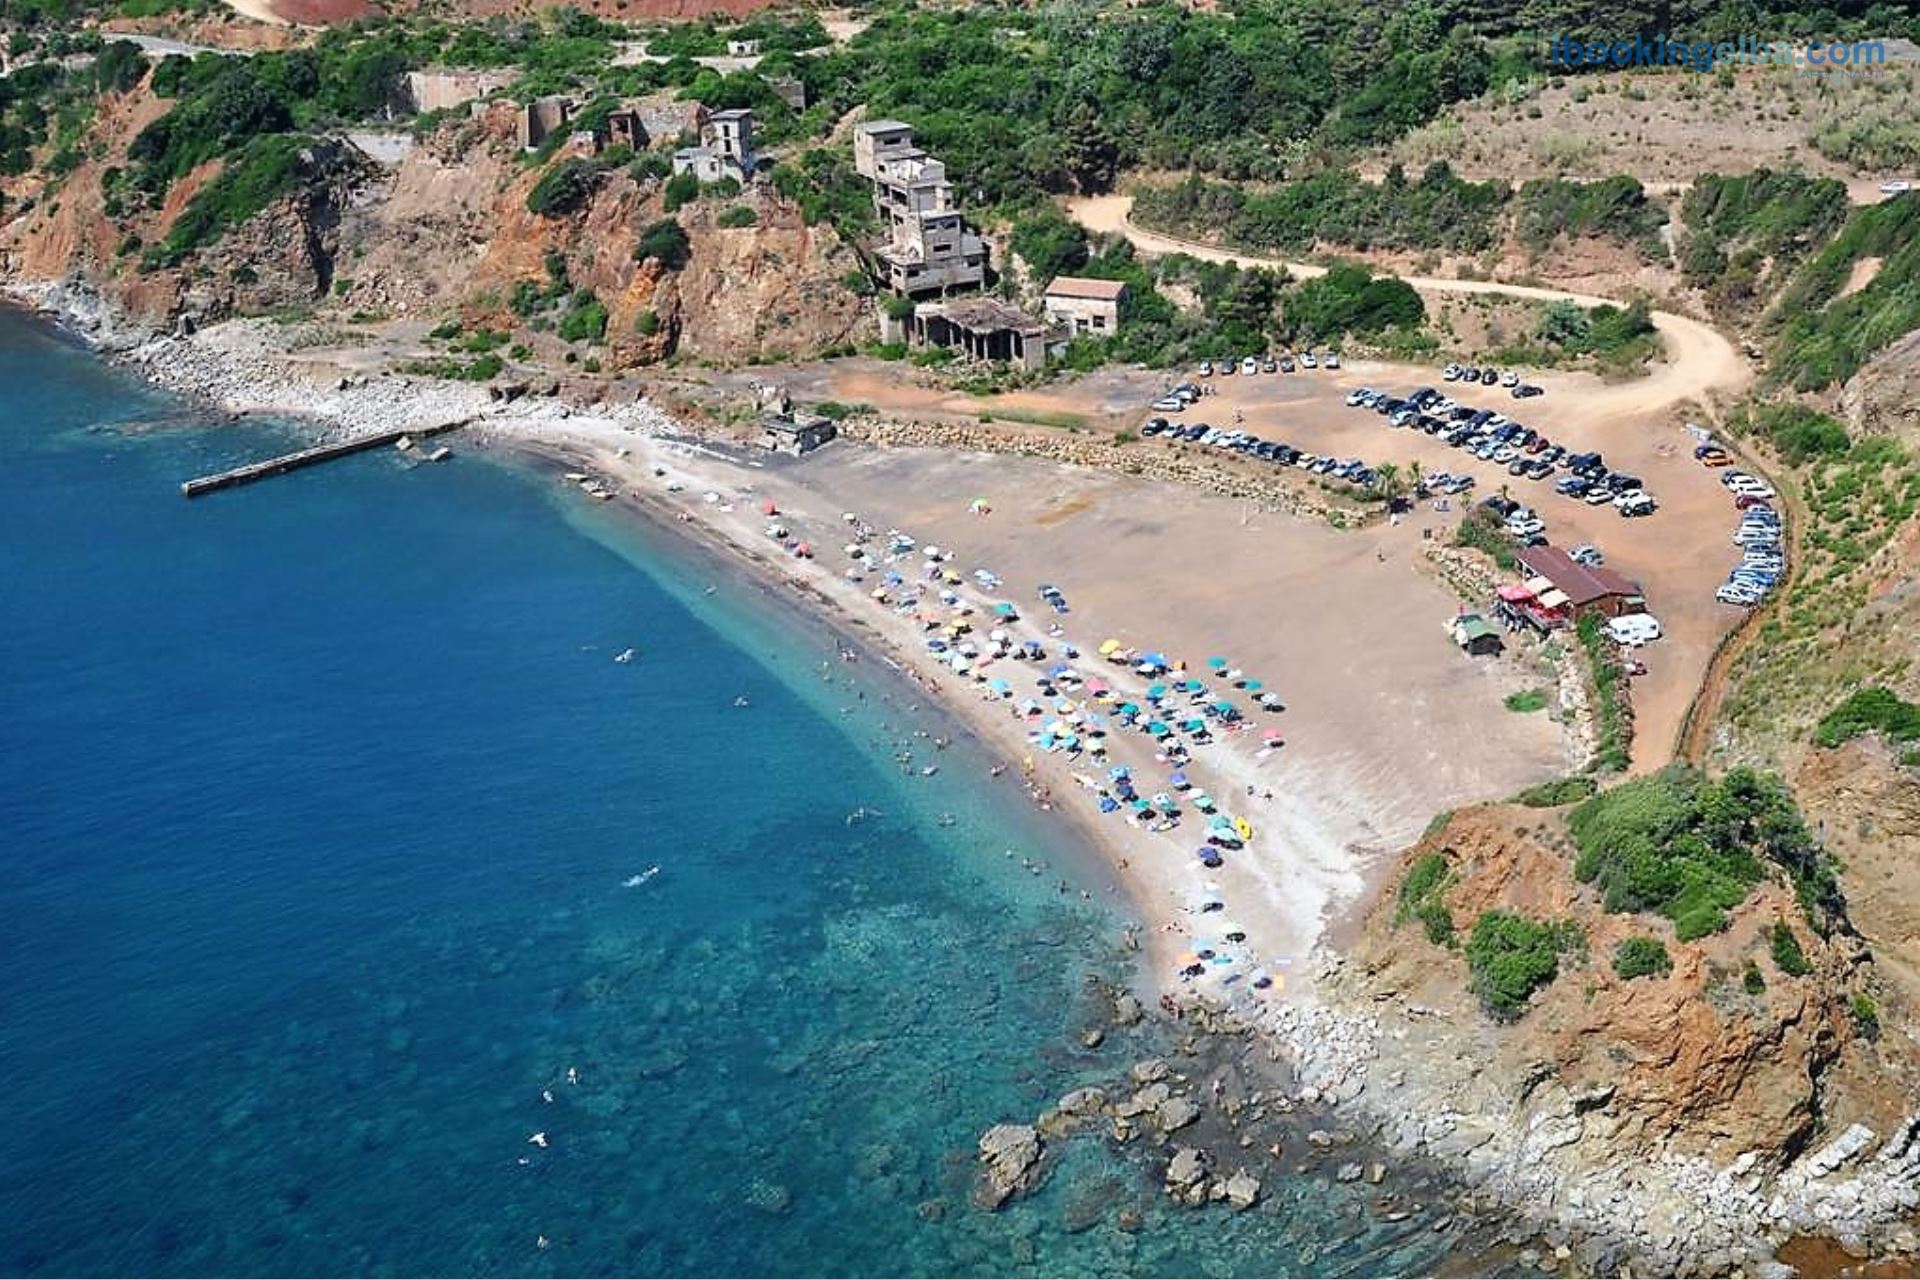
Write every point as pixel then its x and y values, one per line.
pixel 444 88
pixel 542 118
pixel 1088 306
pixel 983 329
pixel 928 248
pixel 626 129
pixel 725 150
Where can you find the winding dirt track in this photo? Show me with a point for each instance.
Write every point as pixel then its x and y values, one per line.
pixel 1699 358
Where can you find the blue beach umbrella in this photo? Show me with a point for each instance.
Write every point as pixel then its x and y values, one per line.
pixel 1252 686
pixel 1108 804
pixel 1000 687
pixel 1158 730
pixel 1179 780
pixel 1155 692
pixel 1119 771
pixel 1218 664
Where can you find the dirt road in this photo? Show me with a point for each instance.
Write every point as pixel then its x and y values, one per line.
pixel 1699 359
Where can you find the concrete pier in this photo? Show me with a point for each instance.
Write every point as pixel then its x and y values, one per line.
pixel 307 458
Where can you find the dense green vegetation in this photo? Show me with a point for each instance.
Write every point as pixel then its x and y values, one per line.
pixel 1548 210
pixel 1875 709
pixel 1437 211
pixel 1350 299
pixel 1615 338
pixel 1561 791
pixel 735 216
pixel 1481 531
pixel 1526 700
pixel 1797 433
pixel 1824 338
pixel 665 241
pixel 1786 951
pixel 1049 242
pixel 586 319
pixel 1612 751
pixel 1420 899
pixel 255 176
pixel 564 188
pixel 49 104
pixel 1510 957
pixel 1641 957
pixel 1745 230
pixel 1689 848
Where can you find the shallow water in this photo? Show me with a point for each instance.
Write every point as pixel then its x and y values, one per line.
pixel 321 799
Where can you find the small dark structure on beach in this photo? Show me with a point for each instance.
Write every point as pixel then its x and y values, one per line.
pixel 795 433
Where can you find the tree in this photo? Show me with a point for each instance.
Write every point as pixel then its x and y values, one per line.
pixel 665 242
pixel 1049 242
pixel 564 188
pixel 1087 152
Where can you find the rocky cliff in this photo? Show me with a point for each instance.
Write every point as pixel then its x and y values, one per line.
pixel 446 232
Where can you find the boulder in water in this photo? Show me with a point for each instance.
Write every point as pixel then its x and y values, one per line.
pixel 1010 1154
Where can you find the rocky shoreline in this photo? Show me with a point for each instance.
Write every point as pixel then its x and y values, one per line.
pixel 1550 1158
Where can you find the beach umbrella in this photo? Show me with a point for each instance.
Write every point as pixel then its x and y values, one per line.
pixel 1217 663
pixel 979 507
pixel 1139 805
pixel 1109 647
pixel 1000 687
pixel 1243 828
pixel 1108 804
pixel 1155 692
pixel 1154 659
pixel 1251 686
pixel 1006 610
pixel 1179 781
pixel 1226 709
pixel 1273 738
pixel 1161 800
pixel 1202 801
pixel 879 593
pixel 1210 857
pixel 937 645
pixel 1158 730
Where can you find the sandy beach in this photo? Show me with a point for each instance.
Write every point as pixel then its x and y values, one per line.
pixel 1315 617
pixel 1384 722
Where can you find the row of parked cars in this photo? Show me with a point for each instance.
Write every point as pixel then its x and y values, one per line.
pixel 1352 470
pixel 1763 557
pixel 1492 377
pixel 1523 451
pixel 1282 363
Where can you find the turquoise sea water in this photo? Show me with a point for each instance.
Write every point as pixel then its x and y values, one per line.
pixel 318 802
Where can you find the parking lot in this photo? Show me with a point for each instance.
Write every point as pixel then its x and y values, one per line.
pixel 1681 553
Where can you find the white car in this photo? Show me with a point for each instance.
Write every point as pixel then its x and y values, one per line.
pixel 1308 360
pixel 1333 360
pixel 1206 368
pixel 1732 593
pixel 1634 629
pixel 1895 187
pixel 1355 397
pixel 1172 404
pixel 1249 365
pixel 1509 379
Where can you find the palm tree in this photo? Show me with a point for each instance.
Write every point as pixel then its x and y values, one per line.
pixel 1413 472
pixel 1387 481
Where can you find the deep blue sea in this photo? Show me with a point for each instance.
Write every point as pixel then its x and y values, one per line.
pixel 319 801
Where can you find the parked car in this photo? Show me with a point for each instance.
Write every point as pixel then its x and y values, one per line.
pixel 1588 554
pixel 1509 379
pixel 1249 365
pixel 1308 360
pixel 1331 360
pixel 1489 376
pixel 1737 594
pixel 1637 503
pixel 1452 373
pixel 1286 364
pixel 1206 368
pixel 1502 507
pixel 1268 365
pixel 1526 391
pixel 1599 496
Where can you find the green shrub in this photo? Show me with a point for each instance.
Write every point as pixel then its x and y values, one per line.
pixel 563 189
pixel 1753 980
pixel 1479 531
pixel 1866 1015
pixel 1551 795
pixel 735 216
pixel 646 324
pixel 1049 242
pixel 1640 957
pixel 681 188
pixel 1527 700
pixel 1427 874
pixel 1689 848
pixel 1873 709
pixel 255 176
pixel 1510 958
pixel 445 329
pixel 1787 954
pixel 665 242
pixel 586 320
